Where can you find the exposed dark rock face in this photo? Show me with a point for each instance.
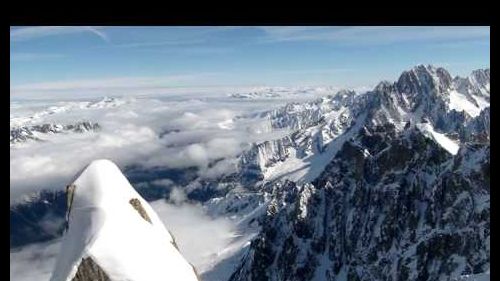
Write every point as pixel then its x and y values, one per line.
pixel 392 204
pixel 70 192
pixel 136 204
pixel 388 207
pixel 81 127
pixel 475 84
pixel 88 270
pixel 478 129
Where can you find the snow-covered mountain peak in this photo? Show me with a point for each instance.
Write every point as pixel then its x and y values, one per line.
pixel 99 181
pixel 343 93
pixel 383 86
pixel 477 84
pixel 482 76
pixel 114 234
pixel 388 184
pixel 424 79
pixel 423 96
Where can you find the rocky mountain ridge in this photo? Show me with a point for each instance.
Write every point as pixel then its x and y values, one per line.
pixel 394 203
pixel 37 132
pixel 391 184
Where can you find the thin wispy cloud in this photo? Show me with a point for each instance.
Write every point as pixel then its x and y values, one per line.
pixel 176 36
pixel 199 50
pixel 30 33
pixel 248 56
pixel 122 85
pixel 451 45
pixel 164 43
pixel 15 57
pixel 372 35
pixel 317 71
pixel 192 46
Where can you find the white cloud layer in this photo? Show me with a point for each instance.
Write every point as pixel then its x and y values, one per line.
pixel 29 33
pixel 164 131
pixel 134 85
pixel 188 224
pixel 34 262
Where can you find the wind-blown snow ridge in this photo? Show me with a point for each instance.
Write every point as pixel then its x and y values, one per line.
pixel 105 227
pixel 441 139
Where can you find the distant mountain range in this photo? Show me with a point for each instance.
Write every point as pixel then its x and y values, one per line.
pixel 37 132
pixel 391 184
pixel 404 197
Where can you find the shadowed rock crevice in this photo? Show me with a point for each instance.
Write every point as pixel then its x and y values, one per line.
pixel 138 207
pixel 70 191
pixel 88 270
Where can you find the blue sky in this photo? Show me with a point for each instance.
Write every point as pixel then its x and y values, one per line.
pixel 79 59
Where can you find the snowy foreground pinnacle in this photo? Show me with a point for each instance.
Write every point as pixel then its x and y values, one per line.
pixel 114 234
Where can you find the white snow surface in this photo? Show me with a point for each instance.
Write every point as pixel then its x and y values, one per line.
pixel 459 102
pixel 103 225
pixel 303 170
pixel 445 142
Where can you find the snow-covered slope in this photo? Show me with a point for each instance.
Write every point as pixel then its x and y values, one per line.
pixel 390 206
pixel 111 229
pixel 391 184
pixel 425 96
pixel 405 196
pixel 448 144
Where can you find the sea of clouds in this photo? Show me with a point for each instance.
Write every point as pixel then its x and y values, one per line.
pixel 147 131
pixel 157 131
pixel 174 131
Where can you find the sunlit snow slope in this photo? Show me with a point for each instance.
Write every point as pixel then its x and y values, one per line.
pixel 114 233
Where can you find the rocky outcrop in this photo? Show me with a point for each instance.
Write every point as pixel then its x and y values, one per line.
pixel 388 202
pixel 392 204
pixel 36 132
pixel 388 207
pixel 136 204
pixel 89 270
pixel 478 83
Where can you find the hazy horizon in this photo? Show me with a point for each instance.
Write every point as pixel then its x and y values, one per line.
pixel 95 61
